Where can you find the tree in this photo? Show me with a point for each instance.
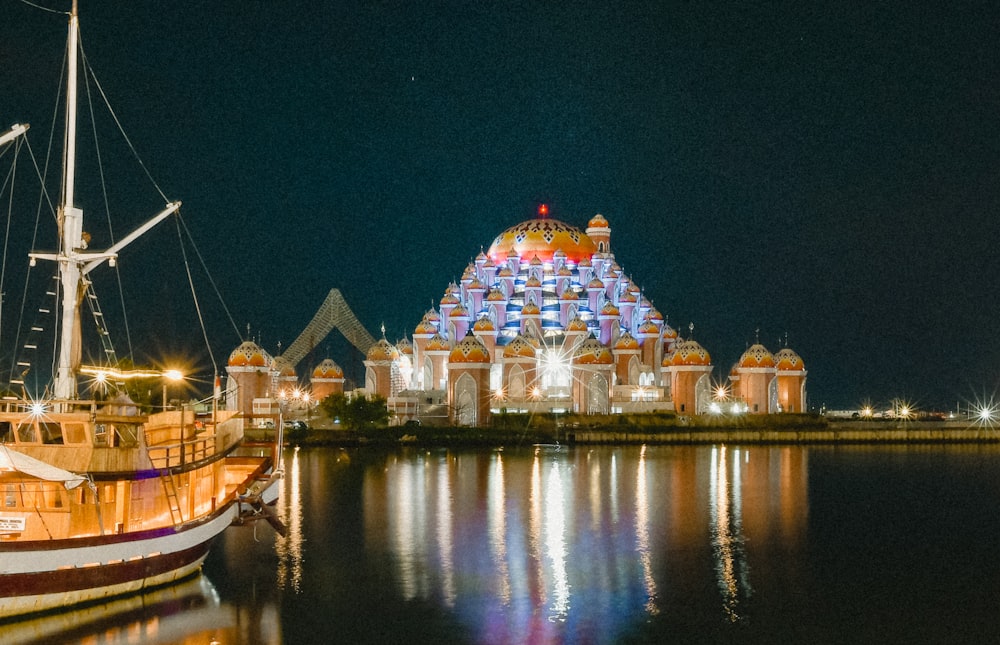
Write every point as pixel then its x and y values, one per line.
pixel 357 413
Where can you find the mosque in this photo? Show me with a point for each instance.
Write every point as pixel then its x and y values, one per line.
pixel 544 321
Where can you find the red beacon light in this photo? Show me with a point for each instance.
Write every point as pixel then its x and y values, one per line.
pixel 543 210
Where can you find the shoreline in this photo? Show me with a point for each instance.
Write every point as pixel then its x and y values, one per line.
pixel 690 431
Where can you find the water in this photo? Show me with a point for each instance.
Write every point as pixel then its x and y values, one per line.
pixel 596 545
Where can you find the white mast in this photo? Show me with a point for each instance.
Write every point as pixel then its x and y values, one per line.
pixel 71 229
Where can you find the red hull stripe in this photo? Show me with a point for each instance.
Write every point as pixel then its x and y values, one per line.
pixel 65 580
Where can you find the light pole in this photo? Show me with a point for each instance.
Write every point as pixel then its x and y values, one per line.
pixel 169 375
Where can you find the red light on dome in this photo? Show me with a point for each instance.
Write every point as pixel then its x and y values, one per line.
pixel 543 210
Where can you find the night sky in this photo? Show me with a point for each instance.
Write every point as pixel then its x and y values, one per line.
pixel 829 171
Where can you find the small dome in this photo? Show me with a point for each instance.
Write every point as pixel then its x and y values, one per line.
pixel 484 324
pixel 597 221
pixel 530 309
pixel 689 352
pixel 569 294
pixel 469 350
pixel 536 262
pixel 328 369
pixel 627 297
pixel 609 309
pixel 437 343
pixel 249 354
pixel 669 333
pixel 649 328
pixel 404 346
pixel 585 263
pixel 576 324
pixel 595 284
pixel 382 351
pixel 756 356
pixel 788 360
pixel 469 272
pixel 482 257
pixel 532 282
pixel 425 328
pixel 565 272
pixel 449 299
pixel 505 272
pixel 626 341
pixel 459 312
pixel 432 316
pixel 495 295
pixel 476 285
pixel 655 315
pixel 519 348
pixel 592 352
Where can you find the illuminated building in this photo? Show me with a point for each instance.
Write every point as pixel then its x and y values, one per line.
pixel 546 320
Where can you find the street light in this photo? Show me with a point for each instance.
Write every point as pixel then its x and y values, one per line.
pixel 170 375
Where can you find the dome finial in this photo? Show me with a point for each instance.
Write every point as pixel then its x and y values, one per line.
pixel 691 330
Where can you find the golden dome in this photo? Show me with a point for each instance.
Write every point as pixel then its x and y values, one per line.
pixel 787 360
pixel 626 341
pixel 597 221
pixel 530 309
pixel 437 343
pixel 689 352
pixel 469 350
pixel 649 327
pixel 495 295
pixel 249 354
pixel 484 324
pixel 756 356
pixel 592 352
pixel 519 348
pixel 382 351
pixel 542 238
pixel 425 328
pixel 569 294
pixel 609 309
pixel 328 369
pixel 576 324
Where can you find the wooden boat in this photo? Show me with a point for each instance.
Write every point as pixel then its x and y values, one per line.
pixel 96 498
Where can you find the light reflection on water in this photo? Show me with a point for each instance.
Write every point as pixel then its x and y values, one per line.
pixel 659 544
pixel 574 539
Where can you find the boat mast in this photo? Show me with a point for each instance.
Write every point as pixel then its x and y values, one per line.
pixel 70 232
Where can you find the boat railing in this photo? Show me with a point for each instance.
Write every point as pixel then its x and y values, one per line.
pixel 180 454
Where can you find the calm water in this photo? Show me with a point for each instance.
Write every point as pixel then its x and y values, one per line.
pixel 602 545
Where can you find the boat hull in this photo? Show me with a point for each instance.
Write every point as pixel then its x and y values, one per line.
pixel 44 576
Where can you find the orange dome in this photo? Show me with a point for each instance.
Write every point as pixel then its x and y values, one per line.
pixel 449 299
pixel 756 356
pixel 432 316
pixel 404 346
pixel 249 354
pixel 541 238
pixel 565 271
pixel 597 221
pixel 689 352
pixel 609 309
pixel 592 352
pixel 382 351
pixel 424 328
pixel 787 360
pixel 476 284
pixel 628 296
pixel 328 369
pixel 533 281
pixel 484 324
pixel 437 343
pixel 469 350
pixel 649 327
pixel 505 272
pixel 626 341
pixel 595 284
pixel 495 295
pixel 459 312
pixel 669 333
pixel 530 309
pixel 519 348
pixel 576 324
pixel 569 294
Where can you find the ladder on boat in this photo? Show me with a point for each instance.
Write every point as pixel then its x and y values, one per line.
pixel 170 491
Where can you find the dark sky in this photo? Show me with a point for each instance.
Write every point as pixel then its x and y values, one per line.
pixel 825 170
